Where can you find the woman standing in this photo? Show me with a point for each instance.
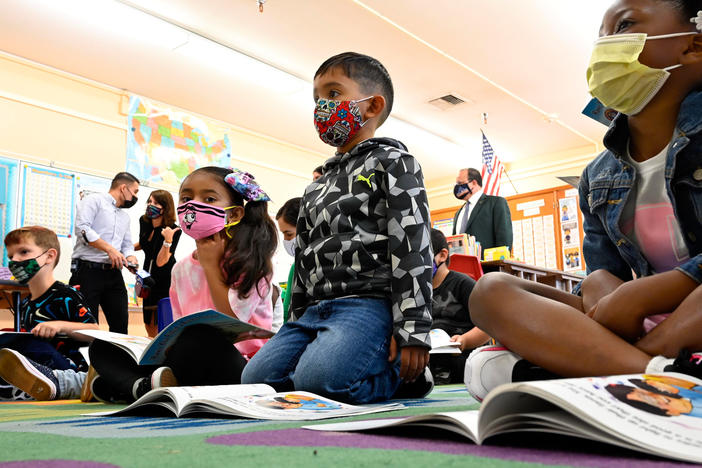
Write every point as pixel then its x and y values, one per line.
pixel 158 238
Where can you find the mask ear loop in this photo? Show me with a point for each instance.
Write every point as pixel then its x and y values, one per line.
pixel 355 103
pixel 230 225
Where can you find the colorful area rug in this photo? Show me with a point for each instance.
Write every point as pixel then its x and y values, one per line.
pixel 63 434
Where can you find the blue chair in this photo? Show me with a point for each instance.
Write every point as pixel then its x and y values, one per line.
pixel 164 313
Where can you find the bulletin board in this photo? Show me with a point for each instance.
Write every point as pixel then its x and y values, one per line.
pixel 547 227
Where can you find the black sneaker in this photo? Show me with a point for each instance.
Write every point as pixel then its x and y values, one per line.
pixel 417 389
pixel 161 377
pixel 11 393
pixel 687 363
pixel 37 380
pixel 102 391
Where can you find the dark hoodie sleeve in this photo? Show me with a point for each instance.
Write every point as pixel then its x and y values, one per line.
pixel 409 250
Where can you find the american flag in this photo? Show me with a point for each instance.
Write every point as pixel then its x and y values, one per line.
pixel 492 169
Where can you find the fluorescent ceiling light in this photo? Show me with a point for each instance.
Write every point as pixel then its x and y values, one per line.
pixel 439 147
pixel 212 55
pixel 118 19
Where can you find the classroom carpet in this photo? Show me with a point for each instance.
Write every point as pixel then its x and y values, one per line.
pixel 64 434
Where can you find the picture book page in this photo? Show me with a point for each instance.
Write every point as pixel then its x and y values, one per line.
pixel 294 405
pixel 661 413
pixel 134 345
pixel 464 423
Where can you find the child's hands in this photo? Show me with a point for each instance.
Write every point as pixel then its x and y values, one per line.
pixel 210 251
pixel 47 329
pixel 459 339
pixel 413 360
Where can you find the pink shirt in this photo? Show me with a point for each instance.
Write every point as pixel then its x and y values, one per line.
pixel 190 293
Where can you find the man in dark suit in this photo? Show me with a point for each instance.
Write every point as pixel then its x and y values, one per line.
pixel 486 217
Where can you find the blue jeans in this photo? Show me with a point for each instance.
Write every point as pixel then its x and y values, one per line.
pixel 338 349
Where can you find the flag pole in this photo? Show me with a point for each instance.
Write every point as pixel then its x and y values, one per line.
pixel 510 181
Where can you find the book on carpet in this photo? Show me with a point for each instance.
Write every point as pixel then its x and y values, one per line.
pixel 441 343
pixel 660 414
pixel 257 401
pixel 146 351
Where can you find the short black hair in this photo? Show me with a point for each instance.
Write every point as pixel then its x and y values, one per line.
pixel 369 73
pixel 439 242
pixel 319 170
pixel 687 8
pixel 474 174
pixel 123 178
pixel 289 211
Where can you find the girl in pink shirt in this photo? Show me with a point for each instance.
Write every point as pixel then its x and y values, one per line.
pixel 226 212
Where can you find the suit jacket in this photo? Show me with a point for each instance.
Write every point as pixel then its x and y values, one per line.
pixel 490 222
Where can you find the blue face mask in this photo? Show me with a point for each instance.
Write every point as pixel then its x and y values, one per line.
pixel 153 211
pixel 461 190
pixel 435 267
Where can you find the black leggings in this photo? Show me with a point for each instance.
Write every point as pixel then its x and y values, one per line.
pixel 201 355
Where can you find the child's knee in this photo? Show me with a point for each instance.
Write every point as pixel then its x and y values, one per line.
pixel 485 297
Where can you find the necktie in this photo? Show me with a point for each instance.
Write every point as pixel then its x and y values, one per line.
pixel 464 221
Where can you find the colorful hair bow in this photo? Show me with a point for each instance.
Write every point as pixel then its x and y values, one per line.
pixel 244 183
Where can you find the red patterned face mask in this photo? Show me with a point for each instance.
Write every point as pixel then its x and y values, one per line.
pixel 337 122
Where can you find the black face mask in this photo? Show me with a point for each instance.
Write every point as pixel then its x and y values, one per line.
pixel 462 190
pixel 129 203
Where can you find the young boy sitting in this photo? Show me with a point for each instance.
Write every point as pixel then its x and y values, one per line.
pixel 362 284
pixel 32 363
pixel 450 313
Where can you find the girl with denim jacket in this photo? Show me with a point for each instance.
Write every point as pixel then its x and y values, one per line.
pixel 642 206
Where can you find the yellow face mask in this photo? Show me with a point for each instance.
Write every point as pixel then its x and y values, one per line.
pixel 617 78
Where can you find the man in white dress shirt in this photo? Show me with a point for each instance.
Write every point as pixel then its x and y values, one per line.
pixel 103 247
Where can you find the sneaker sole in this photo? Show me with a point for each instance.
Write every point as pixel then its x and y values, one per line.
pixel 163 377
pixel 31 381
pixel 474 369
pixel 86 390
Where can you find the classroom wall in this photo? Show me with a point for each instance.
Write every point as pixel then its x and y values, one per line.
pixel 57 119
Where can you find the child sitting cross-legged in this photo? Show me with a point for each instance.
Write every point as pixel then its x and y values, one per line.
pixel 641 201
pixel 361 293
pixel 31 365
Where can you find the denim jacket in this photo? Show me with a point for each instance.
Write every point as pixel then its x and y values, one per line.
pixel 606 184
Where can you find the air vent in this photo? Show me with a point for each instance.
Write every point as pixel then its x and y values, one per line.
pixel 448 101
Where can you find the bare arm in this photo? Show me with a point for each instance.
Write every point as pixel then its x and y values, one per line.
pixel 471 339
pixel 164 253
pixel 209 252
pixel 55 327
pixel 117 259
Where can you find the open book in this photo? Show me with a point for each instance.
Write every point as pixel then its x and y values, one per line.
pixel 258 401
pixel 660 414
pixel 441 343
pixel 147 351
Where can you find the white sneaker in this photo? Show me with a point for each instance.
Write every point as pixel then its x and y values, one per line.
pixel 487 367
